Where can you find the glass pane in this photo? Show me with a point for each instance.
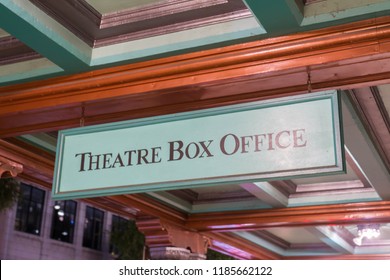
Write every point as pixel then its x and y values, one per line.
pixel 63 222
pixel 29 210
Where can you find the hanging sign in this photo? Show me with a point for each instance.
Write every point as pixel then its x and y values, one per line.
pixel 267 140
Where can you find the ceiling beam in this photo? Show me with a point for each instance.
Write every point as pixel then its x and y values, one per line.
pixel 333 239
pixel 240 62
pixel 351 55
pixel 368 159
pixel 278 17
pixel 282 17
pixel 266 193
pixel 350 213
pixel 374 117
pixel 41 33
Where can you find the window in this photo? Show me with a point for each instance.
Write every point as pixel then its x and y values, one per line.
pixel 93 228
pixel 64 217
pixel 30 209
pixel 118 226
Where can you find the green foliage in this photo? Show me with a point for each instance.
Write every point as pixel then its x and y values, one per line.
pixel 213 255
pixel 127 242
pixel 9 192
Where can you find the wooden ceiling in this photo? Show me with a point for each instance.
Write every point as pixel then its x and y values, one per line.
pixel 79 61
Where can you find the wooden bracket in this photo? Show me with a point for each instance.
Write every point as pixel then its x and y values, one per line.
pixel 9 167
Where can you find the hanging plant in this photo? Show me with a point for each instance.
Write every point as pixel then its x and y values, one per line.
pixel 128 243
pixel 9 192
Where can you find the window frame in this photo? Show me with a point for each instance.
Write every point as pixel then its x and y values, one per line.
pixel 29 213
pixel 64 222
pixel 93 228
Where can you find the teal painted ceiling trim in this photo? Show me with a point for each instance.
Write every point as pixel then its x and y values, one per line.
pixel 41 140
pixel 10 77
pixel 25 22
pixel 253 204
pixel 361 12
pixel 179 42
pixel 278 17
pixel 333 239
pixel 283 17
pixel 333 199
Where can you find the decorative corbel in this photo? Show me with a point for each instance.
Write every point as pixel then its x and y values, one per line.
pixel 194 241
pixel 9 167
pixel 163 234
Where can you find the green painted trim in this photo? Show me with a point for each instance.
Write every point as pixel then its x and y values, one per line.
pixel 368 160
pixel 168 44
pixel 37 30
pixel 109 7
pixel 13 81
pixel 277 16
pixel 283 17
pixel 31 69
pixel 333 240
pixel 366 11
pixel 42 140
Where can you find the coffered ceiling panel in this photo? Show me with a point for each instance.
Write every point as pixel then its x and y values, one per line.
pixel 77 35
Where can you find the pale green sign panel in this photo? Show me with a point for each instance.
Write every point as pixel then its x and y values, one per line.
pixel 268 140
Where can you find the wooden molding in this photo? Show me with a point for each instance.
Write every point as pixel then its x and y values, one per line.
pixel 374 116
pixel 30 157
pixel 360 39
pixel 350 213
pixel 141 21
pixel 338 57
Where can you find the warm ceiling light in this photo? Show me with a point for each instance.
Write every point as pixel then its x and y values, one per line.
pixel 366 231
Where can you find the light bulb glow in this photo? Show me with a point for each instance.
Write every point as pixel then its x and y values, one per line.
pixel 368 231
